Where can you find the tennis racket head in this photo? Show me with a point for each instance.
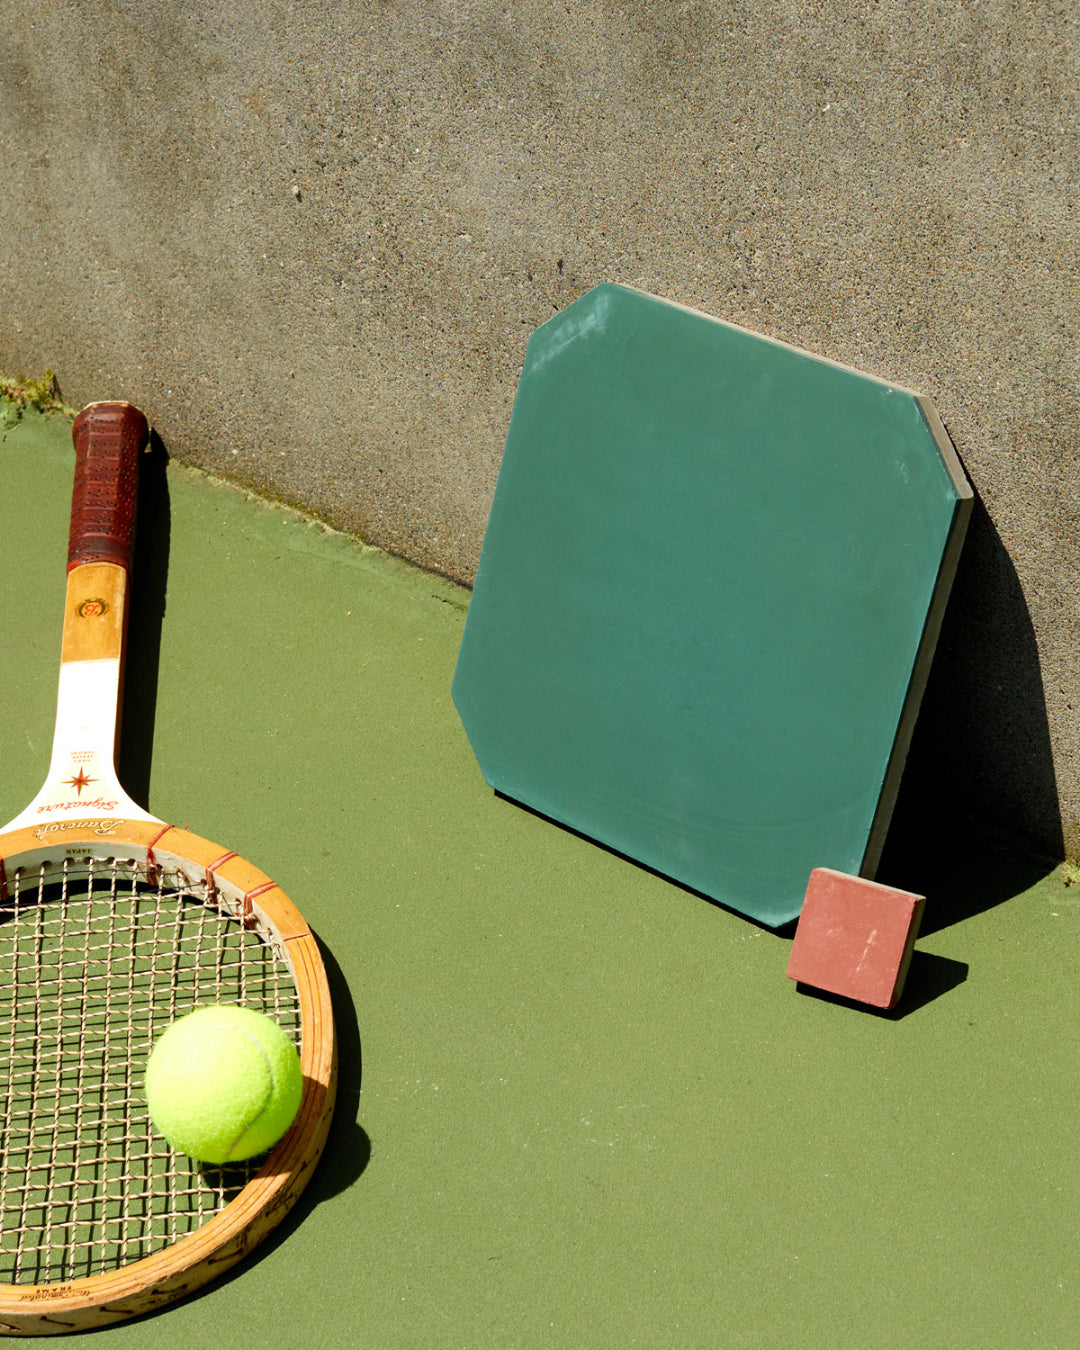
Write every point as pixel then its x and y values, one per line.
pixel 109 930
pixel 112 925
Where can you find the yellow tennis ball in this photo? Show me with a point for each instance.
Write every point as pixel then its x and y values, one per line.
pixel 223 1083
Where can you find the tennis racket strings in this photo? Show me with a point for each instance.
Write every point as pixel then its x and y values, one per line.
pixel 97 958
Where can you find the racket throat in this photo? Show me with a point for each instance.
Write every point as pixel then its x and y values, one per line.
pixel 82 779
pixel 82 782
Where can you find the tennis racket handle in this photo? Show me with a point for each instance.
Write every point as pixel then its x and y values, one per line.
pixel 109 439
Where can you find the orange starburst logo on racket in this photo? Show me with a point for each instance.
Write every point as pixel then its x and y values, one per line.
pixel 79 781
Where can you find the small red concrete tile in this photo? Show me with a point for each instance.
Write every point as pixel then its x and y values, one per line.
pixel 855 937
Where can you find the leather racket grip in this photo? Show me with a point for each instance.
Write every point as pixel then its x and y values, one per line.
pixel 109 439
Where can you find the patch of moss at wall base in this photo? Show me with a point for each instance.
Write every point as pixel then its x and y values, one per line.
pixel 21 392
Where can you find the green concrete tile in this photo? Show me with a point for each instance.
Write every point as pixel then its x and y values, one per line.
pixel 708 597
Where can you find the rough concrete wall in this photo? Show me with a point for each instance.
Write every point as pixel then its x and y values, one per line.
pixel 311 239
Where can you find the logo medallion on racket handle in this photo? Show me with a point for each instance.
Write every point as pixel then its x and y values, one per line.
pixel 113 924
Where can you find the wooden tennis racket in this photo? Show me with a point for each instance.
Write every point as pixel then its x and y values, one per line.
pixel 113 924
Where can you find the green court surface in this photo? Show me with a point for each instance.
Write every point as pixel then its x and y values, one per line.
pixel 579 1105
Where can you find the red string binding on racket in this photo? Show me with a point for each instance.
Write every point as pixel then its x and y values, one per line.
pixel 247 908
pixel 152 868
pixel 211 882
